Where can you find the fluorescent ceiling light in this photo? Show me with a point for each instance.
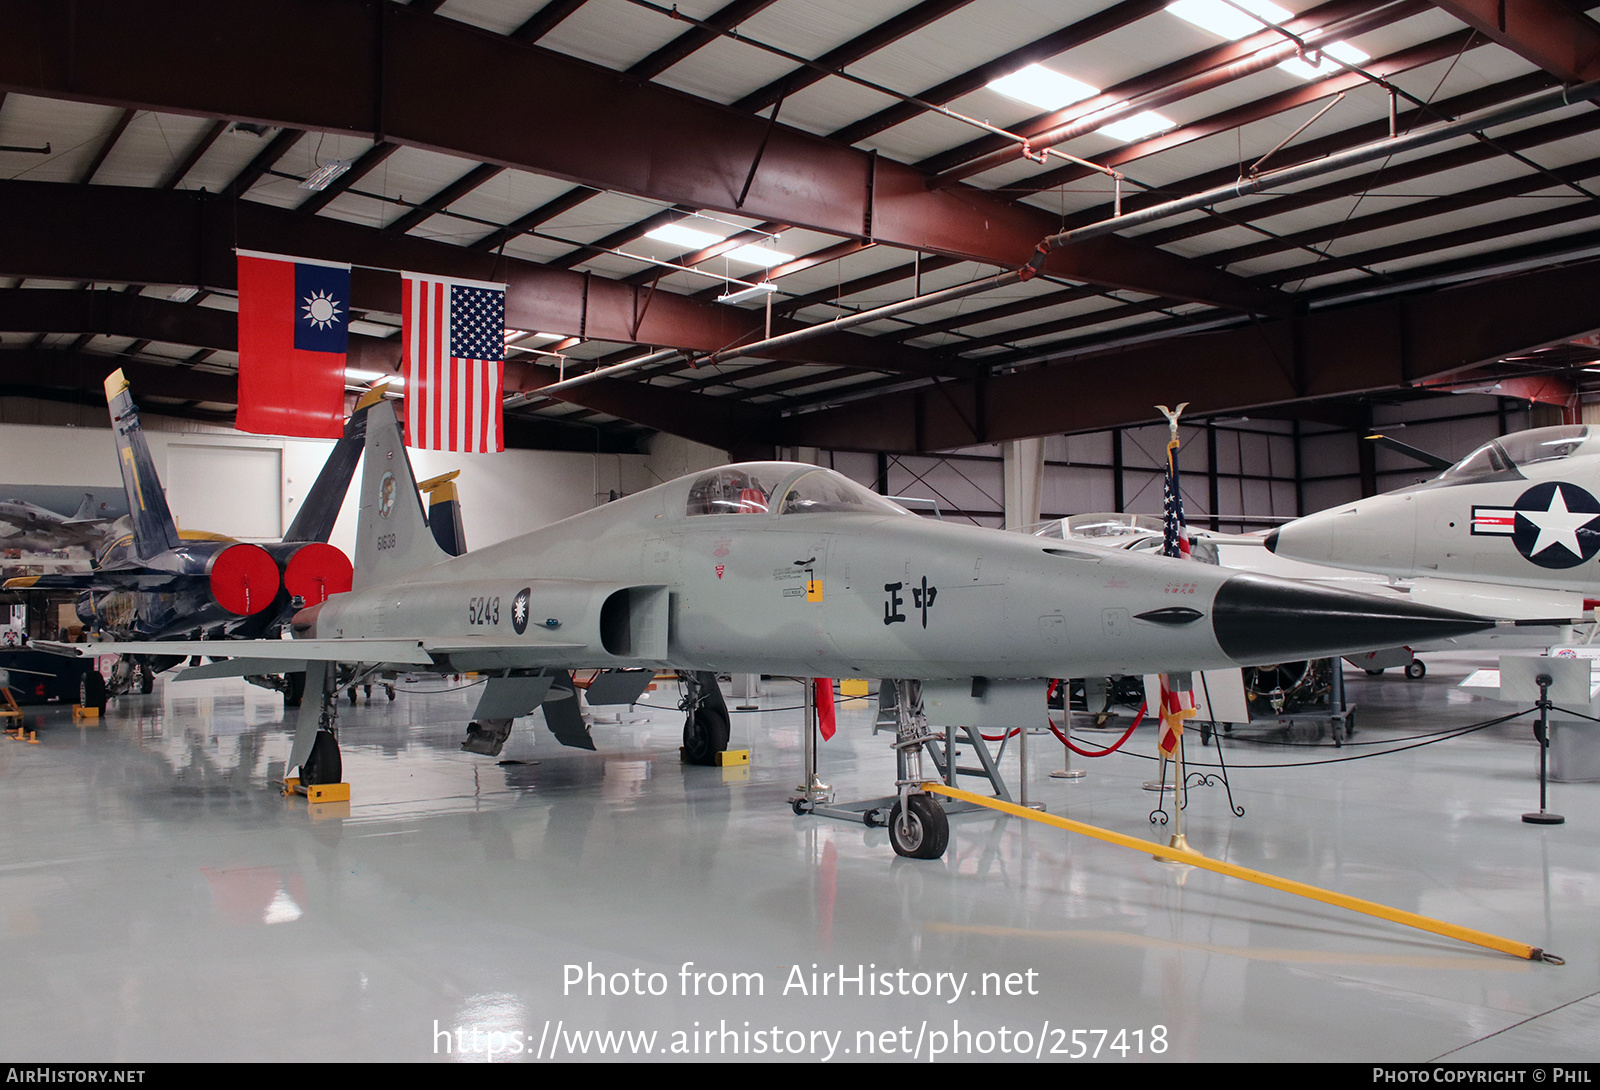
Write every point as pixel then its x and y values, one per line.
pixel 1343 50
pixel 1042 87
pixel 766 287
pixel 360 375
pixel 1137 126
pixel 372 329
pixel 1225 20
pixel 318 179
pixel 760 255
pixel 183 295
pixel 680 235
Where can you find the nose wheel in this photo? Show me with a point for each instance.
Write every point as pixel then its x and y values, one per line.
pixel 919 829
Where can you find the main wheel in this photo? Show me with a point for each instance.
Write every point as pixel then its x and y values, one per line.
pixel 92 690
pixel 705 734
pixel 147 680
pixel 324 765
pixel 294 689
pixel 924 833
pixel 1416 670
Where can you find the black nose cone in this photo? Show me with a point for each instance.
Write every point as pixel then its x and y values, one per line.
pixel 1258 619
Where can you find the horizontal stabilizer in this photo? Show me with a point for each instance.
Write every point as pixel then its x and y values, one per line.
pixel 241 668
pixel 619 686
pixel 406 652
pixel 512 697
pixel 564 718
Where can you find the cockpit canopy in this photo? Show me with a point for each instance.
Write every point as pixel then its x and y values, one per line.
pixel 1502 458
pixel 783 488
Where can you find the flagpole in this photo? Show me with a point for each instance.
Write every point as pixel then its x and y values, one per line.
pixel 1172 545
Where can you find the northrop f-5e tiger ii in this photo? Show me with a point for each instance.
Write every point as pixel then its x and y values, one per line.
pixel 776 568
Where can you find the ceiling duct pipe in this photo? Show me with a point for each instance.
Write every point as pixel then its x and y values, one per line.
pixel 1537 104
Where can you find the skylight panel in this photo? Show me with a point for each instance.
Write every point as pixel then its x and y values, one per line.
pixel 1042 87
pixel 764 256
pixel 1225 20
pixel 1137 126
pixel 689 237
pixel 1342 50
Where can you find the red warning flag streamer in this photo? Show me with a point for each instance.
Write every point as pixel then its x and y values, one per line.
pixel 825 720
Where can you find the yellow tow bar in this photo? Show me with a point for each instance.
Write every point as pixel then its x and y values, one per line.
pixel 1315 893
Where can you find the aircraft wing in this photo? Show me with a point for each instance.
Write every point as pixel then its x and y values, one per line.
pixel 407 652
pixel 102 580
pixel 448 652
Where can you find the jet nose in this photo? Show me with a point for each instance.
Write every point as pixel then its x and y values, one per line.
pixel 1258 619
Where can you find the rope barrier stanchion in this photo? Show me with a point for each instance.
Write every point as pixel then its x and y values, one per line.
pixel 1286 885
pixel 1066 771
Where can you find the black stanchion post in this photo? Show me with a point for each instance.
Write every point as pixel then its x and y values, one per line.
pixel 1542 733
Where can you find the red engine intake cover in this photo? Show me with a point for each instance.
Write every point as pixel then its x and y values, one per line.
pixel 317 570
pixel 244 579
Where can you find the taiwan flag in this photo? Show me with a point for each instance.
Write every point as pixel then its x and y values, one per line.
pixel 294 322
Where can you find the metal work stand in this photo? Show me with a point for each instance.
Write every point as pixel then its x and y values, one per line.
pixel 940 747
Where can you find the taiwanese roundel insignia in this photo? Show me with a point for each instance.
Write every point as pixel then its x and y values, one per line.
pixel 519 611
pixel 1555 524
pixel 386 495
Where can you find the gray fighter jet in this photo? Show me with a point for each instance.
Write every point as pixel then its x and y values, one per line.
pixel 775 568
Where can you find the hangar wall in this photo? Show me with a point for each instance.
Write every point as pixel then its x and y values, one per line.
pixel 1263 469
pixel 502 494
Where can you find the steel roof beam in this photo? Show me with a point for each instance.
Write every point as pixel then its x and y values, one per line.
pixel 1372 346
pixel 1466 236
pixel 696 38
pixel 443 199
pixel 384 70
pixel 545 20
pixel 106 144
pixel 27 370
pixel 1192 75
pixel 170 237
pixel 1477 152
pixel 370 158
pixel 1406 59
pixel 1069 37
pixel 869 41
pixel 1316 148
pixel 1560 40
pixel 1418 210
pixel 716 422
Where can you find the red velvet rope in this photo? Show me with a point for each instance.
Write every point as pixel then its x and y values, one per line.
pixel 1054 682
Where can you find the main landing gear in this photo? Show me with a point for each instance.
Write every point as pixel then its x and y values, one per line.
pixel 705 729
pixel 324 765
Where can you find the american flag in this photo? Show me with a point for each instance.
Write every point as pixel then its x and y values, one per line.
pixel 1174 539
pixel 454 333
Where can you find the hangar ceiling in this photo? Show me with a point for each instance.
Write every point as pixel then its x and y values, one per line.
pixel 623 165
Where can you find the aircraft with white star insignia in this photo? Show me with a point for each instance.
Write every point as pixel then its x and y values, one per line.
pixel 1522 510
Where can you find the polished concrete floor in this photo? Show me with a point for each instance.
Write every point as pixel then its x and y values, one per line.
pixel 159 900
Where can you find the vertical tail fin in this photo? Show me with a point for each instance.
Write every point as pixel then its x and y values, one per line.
pixel 154 531
pixel 315 519
pixel 86 512
pixel 392 535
